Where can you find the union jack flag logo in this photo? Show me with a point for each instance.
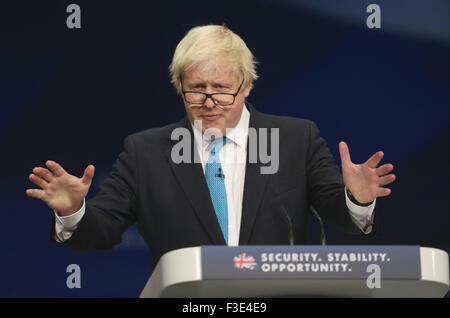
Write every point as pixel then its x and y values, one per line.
pixel 243 261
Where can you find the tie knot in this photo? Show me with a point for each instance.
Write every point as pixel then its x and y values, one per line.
pixel 217 144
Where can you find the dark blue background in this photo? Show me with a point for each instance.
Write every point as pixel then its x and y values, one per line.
pixel 73 95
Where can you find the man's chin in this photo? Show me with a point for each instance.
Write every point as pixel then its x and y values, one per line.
pixel 213 126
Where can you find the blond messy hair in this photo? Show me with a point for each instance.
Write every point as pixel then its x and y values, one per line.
pixel 210 45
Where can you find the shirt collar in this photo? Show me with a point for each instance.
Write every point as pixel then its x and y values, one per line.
pixel 239 133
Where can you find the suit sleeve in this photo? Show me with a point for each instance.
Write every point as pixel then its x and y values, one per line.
pixel 326 188
pixel 112 210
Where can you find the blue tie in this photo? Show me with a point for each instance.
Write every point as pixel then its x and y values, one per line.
pixel 216 184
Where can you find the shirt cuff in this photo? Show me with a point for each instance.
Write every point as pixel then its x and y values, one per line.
pixel 362 216
pixel 66 225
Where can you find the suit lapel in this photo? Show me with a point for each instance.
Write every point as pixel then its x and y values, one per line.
pixel 192 179
pixel 255 182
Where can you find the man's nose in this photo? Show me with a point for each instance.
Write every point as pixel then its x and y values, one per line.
pixel 209 103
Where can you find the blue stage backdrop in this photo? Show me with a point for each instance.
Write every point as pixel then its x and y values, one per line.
pixel 73 95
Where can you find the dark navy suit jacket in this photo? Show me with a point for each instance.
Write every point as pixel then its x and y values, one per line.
pixel 171 202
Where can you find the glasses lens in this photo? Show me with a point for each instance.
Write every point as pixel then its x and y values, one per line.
pixel 199 98
pixel 196 98
pixel 223 99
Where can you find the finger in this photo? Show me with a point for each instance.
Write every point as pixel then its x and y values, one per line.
pixel 345 153
pixel 383 192
pixel 88 174
pixel 44 174
pixel 55 168
pixel 373 161
pixel 35 193
pixel 384 169
pixel 387 179
pixel 38 181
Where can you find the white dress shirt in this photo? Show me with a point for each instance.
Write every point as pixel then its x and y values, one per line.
pixel 233 159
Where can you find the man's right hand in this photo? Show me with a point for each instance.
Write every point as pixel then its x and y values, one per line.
pixel 62 192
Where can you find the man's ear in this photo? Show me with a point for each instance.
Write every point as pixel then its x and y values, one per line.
pixel 248 89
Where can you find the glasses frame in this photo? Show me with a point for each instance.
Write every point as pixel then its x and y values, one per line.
pixel 211 96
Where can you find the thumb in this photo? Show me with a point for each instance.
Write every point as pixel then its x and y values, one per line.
pixel 88 174
pixel 345 153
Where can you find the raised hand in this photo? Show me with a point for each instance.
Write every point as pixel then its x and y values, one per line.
pixel 61 191
pixel 365 181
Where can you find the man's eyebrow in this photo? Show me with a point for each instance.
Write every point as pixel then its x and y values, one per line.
pixel 214 83
pixel 224 83
pixel 194 82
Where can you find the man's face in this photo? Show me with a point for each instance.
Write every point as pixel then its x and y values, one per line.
pixel 220 80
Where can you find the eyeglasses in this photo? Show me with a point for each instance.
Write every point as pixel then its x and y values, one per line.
pixel 219 99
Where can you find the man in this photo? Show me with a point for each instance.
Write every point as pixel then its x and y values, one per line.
pixel 213 200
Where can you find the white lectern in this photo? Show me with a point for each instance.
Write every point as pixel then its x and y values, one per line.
pixel 300 271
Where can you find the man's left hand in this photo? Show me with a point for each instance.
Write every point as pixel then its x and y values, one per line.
pixel 365 181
